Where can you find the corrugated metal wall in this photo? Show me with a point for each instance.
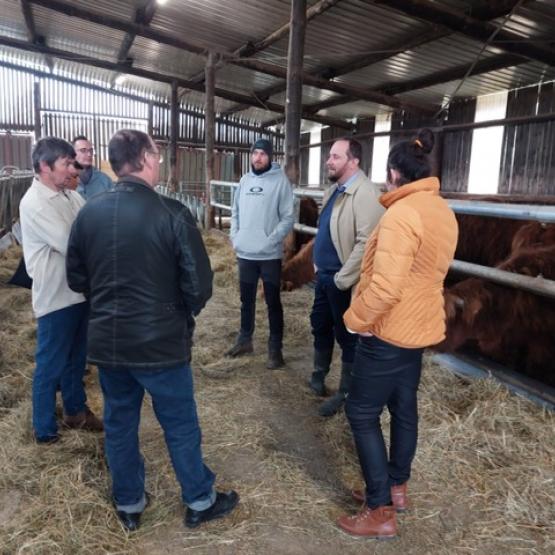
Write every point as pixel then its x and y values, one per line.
pixel 457 147
pixel 68 109
pixel 528 155
pixel 15 150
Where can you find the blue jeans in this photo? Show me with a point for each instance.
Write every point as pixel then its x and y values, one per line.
pixel 61 357
pixel 173 401
pixel 384 374
pixel 326 318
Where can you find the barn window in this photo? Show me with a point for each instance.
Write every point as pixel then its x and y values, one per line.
pixel 380 149
pixel 314 158
pixel 485 157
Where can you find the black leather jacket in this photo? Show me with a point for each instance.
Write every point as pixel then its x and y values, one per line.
pixel 140 260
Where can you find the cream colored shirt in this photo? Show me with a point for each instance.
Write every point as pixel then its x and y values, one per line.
pixel 46 218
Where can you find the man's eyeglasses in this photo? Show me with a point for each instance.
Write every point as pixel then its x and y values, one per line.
pixel 86 150
pixel 157 154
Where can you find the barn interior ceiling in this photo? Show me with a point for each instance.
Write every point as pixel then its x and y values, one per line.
pixel 362 57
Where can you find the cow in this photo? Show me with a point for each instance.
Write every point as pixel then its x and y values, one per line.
pixel 510 326
pixel 308 215
pixel 482 240
pixel 298 270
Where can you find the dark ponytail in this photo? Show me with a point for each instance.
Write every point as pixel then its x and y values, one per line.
pixel 410 158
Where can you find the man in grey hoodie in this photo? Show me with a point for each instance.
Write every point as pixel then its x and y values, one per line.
pixel 261 218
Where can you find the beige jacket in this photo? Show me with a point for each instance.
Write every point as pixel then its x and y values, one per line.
pixel 355 214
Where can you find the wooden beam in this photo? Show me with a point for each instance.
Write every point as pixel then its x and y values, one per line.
pixel 126 26
pixel 163 78
pixel 256 65
pixel 454 20
pixel 294 96
pixel 490 10
pixel 34 37
pixel 174 133
pixel 143 16
pixel 322 83
pixel 210 133
pixel 251 48
pixel 36 106
pixel 493 63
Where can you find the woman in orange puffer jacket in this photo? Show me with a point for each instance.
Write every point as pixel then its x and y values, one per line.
pixel 397 310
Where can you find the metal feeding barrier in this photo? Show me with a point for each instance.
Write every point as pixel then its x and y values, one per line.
pixel 221 197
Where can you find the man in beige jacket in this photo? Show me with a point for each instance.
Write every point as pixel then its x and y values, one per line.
pixel 350 211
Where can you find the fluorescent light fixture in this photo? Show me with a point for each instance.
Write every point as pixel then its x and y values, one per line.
pixel 161 2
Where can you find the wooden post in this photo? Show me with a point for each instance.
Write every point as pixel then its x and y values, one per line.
pixel 209 132
pixel 174 123
pixel 37 101
pixel 294 98
pixel 150 123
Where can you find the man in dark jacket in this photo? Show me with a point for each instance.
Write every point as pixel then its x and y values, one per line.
pixel 140 260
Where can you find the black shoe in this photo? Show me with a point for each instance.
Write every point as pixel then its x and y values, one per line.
pixel 332 405
pixel 240 349
pixel 224 504
pixel 317 384
pixel 132 521
pixel 275 360
pixel 46 440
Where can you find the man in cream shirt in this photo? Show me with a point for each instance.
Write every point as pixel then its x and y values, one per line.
pixel 47 212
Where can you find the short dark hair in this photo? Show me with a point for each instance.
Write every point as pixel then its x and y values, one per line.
pixel 354 150
pixel 126 149
pixel 79 138
pixel 410 158
pixel 49 150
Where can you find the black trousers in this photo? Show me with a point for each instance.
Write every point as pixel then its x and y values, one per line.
pixel 249 273
pixel 384 374
pixel 326 318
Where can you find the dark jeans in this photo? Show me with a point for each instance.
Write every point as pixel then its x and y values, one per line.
pixel 249 273
pixel 326 318
pixel 173 401
pixel 383 375
pixel 61 357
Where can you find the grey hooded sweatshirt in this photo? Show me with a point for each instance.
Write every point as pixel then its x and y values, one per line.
pixel 262 214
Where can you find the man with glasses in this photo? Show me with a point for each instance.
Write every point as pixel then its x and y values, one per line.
pixel 140 259
pixel 91 181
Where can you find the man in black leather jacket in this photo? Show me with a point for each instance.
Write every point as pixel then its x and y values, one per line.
pixel 140 260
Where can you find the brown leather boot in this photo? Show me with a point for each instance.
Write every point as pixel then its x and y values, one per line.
pixel 398 497
pixel 85 420
pixel 379 523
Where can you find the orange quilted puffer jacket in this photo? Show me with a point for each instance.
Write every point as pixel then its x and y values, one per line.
pixel 400 294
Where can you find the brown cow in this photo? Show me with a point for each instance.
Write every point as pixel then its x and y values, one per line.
pixel 510 326
pixel 298 270
pixel 482 240
pixel 308 215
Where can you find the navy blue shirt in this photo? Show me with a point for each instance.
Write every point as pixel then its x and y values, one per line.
pixel 324 254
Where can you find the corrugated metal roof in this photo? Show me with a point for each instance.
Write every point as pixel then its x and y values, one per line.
pixel 348 30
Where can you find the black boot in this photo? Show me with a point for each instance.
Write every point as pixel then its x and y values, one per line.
pixel 240 348
pixel 335 402
pixel 322 361
pixel 275 359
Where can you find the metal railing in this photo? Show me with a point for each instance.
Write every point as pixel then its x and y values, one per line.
pixel 545 214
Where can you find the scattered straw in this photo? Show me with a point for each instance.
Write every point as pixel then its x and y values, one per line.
pixel 483 479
